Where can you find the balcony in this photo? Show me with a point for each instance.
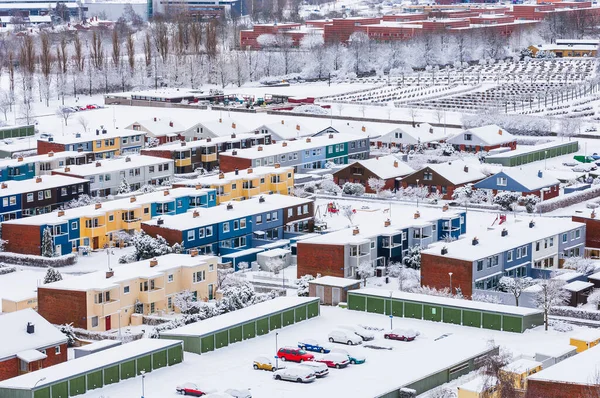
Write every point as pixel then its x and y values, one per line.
pixel 110 307
pixel 133 224
pixel 152 296
pixel 209 157
pixel 183 162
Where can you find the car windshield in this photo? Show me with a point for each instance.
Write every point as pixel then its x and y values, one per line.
pixel 301 352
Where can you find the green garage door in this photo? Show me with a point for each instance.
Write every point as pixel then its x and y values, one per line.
pixel 235 334
pixel 249 330
pixel 60 390
pixel 176 355
pixel 492 321
pixel 159 359
pixel 413 310
pixel 111 375
pixel 208 343
pixel 300 313
pixel 512 324
pixel 144 363
pixel 376 305
pixel 191 344
pixel 432 313
pixel 275 321
pixel 262 326
pixel 452 315
pixel 94 380
pixel 77 386
pixel 43 393
pixel 127 370
pixel 221 339
pixel 397 308
pixel 313 309
pixel 472 318
pixel 288 317
pixel 356 302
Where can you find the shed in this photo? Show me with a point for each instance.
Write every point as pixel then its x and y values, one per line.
pixel 519 370
pixel 95 347
pixel 246 323
pixel 243 256
pixel 579 292
pixel 595 279
pixel 81 375
pixel 585 339
pixel 332 290
pixel 552 354
pixel 479 387
pixel 264 259
pixel 533 153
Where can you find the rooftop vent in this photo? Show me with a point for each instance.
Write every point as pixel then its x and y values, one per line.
pixel 475 241
pixel 504 232
pixel 261 199
pixel 355 231
pixel 160 221
pixel 30 328
pixel 229 206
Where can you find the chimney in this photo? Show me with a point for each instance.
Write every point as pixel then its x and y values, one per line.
pixel 98 206
pixel 261 199
pixel 221 175
pixel 540 174
pixel 308 139
pixel 417 215
pixel 364 129
pixel 355 231
pixel 80 149
pixel 395 163
pixel 30 328
pixel 282 121
pixel 170 124
pixel 208 139
pixel 193 253
pixel 38 180
pixel 499 131
pixel 387 223
pixel 67 169
pixel 236 171
pixel 153 262
pixel 593 215
pixel 284 144
pixel 277 165
pixel 220 120
pixel 298 127
pixel 249 171
pixel 475 241
pixel 160 221
pixel 430 130
pixel 229 206
pixel 20 158
pixel 50 154
pixel 127 159
pixel 445 207
pixel 260 148
pixel 444 250
pixel 132 199
pixel 155 119
pixel 233 126
pixel 4 185
pixel 195 214
pixel 504 232
pixel 97 132
pixel 531 224
pixel 233 135
pixel 98 164
pixel 198 186
pixel 104 131
pixel 466 169
pixel 166 192
pixel 183 143
pixel 110 274
pixel 234 153
pixel 330 135
pixel 61 213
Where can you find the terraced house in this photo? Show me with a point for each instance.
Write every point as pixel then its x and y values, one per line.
pixel 233 227
pixel 102 224
pixel 23 168
pixel 244 184
pixel 101 301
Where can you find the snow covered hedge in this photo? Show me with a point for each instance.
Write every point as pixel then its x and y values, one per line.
pixel 515 124
pixel 573 312
pixel 38 261
pixel 568 200
pixel 4 269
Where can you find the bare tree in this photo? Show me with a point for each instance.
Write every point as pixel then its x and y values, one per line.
pixel 413 113
pixel 97 51
pixel 340 107
pixel 83 122
pixel 65 113
pixel 116 48
pixel 5 103
pixel 195 36
pixel 130 44
pixel 160 35
pixel 147 50
pixel 550 294
pixel 211 39
pixel 516 287
pixel 78 50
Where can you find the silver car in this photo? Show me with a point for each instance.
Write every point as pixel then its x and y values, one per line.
pixel 295 373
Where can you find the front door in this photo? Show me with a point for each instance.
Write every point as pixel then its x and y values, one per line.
pixel 335 296
pixel 321 294
pixel 107 322
pixel 95 243
pixel 58 250
pixel 210 292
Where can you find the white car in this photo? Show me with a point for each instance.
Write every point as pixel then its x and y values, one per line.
pixel 584 168
pixel 239 393
pixel 296 373
pixel 344 337
pixel 360 331
pixel 319 368
pixel 353 358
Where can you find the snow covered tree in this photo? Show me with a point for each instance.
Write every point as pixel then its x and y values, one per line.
pixel 185 302
pixel 355 189
pixel 376 184
pixel 177 248
pixel 515 286
pixel 486 298
pixel 328 185
pixel 146 247
pixel 124 187
pixel 507 199
pixel 413 257
pixel 52 275
pixel 47 243
pixel 65 113
pixel 82 200
pixel 222 274
pixel 147 188
pixel 594 298
pixel 407 277
pixel 302 284
pixel 243 265
pixel 364 271
pixel 580 264
pixel 529 202
pixel 549 295
pixel 349 213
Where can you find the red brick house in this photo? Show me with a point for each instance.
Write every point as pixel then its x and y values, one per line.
pixel 592 232
pixel 387 168
pixel 29 343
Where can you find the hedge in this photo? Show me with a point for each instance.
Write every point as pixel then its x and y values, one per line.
pixel 6 270
pixel 573 312
pixel 38 261
pixel 568 199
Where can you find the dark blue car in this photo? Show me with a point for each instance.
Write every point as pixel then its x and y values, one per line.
pixel 313 345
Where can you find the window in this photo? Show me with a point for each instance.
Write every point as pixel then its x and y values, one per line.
pixel 41 195
pixel 94 321
pixel 468 137
pixel 268 217
pixel 494 261
pixel 501 181
pixel 30 197
pixel 125 289
pixel 57 350
pixel 427 176
pixel 372 244
pixel 191 235
pixel 480 265
pixel 242 223
pixel 518 252
pixel 198 276
pixel 200 233
pixel 258 219
pixel 236 225
pixel 146 210
pixel 151 169
pixel 524 251
pixel 74 225
pixel 537 246
pixel 170 278
pixel 211 267
pixel 564 238
pixel 225 227
pixel 63 191
pixel 209 231
pixel 577 233
pixel 274 216
pixel 509 255
pixel 233 186
pixel 13 200
pixel 170 302
pixel 551 241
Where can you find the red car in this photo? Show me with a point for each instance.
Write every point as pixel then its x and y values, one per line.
pixel 334 360
pixel 192 389
pixel 401 334
pixel 294 354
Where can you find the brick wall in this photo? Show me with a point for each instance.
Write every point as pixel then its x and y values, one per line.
pixel 53 358
pixel 229 163
pixel 63 306
pixel 548 389
pixel 158 154
pixel 327 260
pixel 171 235
pixel 43 147
pixel 435 269
pixel 9 368
pixel 592 231
pixel 24 239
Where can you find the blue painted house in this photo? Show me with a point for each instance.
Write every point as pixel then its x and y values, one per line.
pixel 525 182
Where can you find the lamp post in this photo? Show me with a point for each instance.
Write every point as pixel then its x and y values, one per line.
pixel 276 349
pixel 391 315
pixel 417 193
pixel 545 157
pixel 39 381
pixel 143 373
pixel 450 273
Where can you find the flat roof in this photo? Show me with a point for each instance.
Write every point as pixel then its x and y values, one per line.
pixel 582 368
pixel 577 286
pixel 98 345
pixel 525 149
pixel 521 366
pixel 229 177
pixel 214 141
pixel 587 335
pixel 74 138
pixel 334 281
pixel 14 187
pixel 78 366
pixel 42 158
pixel 220 322
pixel 116 164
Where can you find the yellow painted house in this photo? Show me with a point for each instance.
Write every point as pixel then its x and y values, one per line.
pixel 519 370
pixel 585 339
pixel 107 300
pixel 244 184
pixel 480 387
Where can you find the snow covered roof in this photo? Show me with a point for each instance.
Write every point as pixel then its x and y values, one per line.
pixel 115 164
pixel 587 335
pixel 447 301
pixel 31 355
pixel 140 269
pixel 525 149
pixel 491 242
pixel 582 368
pixel 577 286
pixel 225 126
pixel 568 276
pixel 529 178
pixel 228 178
pixel 221 213
pixel 595 276
pixel 42 158
pixel 75 138
pixel 101 344
pixel 556 351
pixel 260 310
pixel 385 167
pixel 83 365
pixel 178 147
pixel 489 135
pixel 158 127
pixel 421 132
pixel 335 281
pixel 45 182
pixel 521 366
pixel 479 384
pixel 293 129
pixel 16 339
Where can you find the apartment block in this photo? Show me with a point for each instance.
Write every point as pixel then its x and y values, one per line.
pixel 101 301
pixel 24 168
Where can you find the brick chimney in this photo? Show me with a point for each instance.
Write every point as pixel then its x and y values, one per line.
pixel 38 180
pixel 308 139
pixel 208 139
pixel 387 223
pixel 183 143
pixel 153 262
pixel 395 163
pixel 220 120
pixel 499 131
pixel 284 144
pixel 195 214
pixel 298 127
pixel 277 165
pixel 249 171
pixel 355 231
pixel 260 148
pixel 166 192
pixel 417 215
pixel 61 213
pixel 4 185
pixel 132 199
pixel 282 121
pixel 445 207
pixel 466 169
pixel 50 154
pixel 170 124
pixel 364 129
pixel 98 164
pixel 110 274
pixel 221 176
pixel 98 206
pixel 232 126
pixel 67 169
pixel 193 253
pixel 20 158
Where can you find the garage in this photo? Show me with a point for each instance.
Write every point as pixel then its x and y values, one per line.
pixel 472 318
pixel 375 304
pixel 275 322
pixel 249 330
pixel 300 314
pixel 94 380
pixel 60 390
pixel 144 364
pixel 262 326
pixel 397 308
pixel 452 315
pixel 357 302
pixel 512 323
pixel 128 370
pixel 175 355
pixel 111 375
pixel 221 339
pixel 432 313
pixel 159 359
pixel 77 386
pixel 492 321
pixel 43 393
pixel 313 309
pixel 413 310
pixel 288 318
pixel 235 334
pixel 207 343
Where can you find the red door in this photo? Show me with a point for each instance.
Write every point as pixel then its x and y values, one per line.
pixel 107 322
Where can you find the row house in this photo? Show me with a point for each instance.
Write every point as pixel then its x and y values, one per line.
pixel 39 195
pixel 483 138
pixel 222 127
pixel 592 229
pixel 24 168
pixel 101 301
pixel 104 144
pixel 102 224
pixel 243 184
pixel 233 227
pixel 408 137
pixel 303 155
pixel 106 176
pixel 158 131
pixel 525 182
pixel 30 343
pixel 535 249
pixel 379 243
pixel 387 168
pixel 204 153
pixel 248 38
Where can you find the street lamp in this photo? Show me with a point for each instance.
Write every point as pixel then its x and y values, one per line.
pixel 545 156
pixel 391 315
pixel 143 373
pixel 450 273
pixel 39 381
pixel 417 193
pixel 276 349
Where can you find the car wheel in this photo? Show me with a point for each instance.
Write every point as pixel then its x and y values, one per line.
pixel 255 367
pixel 303 347
pixel 283 359
pixel 299 380
pixel 331 339
pixel 322 351
pixel 386 337
pixel 273 369
pixel 277 377
pixel 353 362
pixel 301 360
pixel 337 365
pixel 349 342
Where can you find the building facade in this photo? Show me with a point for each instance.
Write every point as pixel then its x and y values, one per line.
pixel 104 145
pixel 443 178
pixel 524 182
pixel 387 168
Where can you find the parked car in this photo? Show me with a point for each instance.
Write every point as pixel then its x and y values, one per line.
pixel 354 359
pixel 264 363
pixel 192 389
pixel 333 360
pixel 360 331
pixel 319 368
pixel 401 334
pixel 570 163
pixel 586 167
pixel 239 393
pixel 344 337
pixel 299 374
pixel 294 354
pixel 591 129
pixel 312 345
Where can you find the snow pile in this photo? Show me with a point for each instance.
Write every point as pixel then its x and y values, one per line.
pixel 310 109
